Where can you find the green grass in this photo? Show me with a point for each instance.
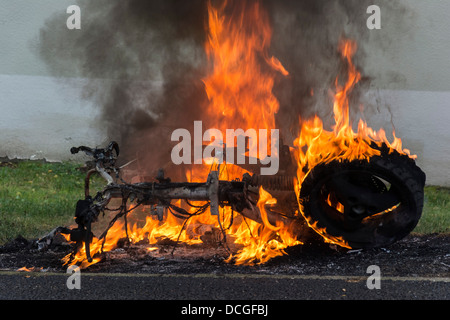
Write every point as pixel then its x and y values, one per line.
pixel 36 197
pixel 436 211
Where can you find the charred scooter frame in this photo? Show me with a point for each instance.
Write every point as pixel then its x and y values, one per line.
pixel 159 195
pixel 368 204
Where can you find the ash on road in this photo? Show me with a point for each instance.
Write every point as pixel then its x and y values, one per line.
pixel 417 267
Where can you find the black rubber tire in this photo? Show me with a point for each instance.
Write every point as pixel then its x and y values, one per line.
pixel 379 231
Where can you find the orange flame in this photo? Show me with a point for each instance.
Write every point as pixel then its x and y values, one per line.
pixel 324 146
pixel 263 242
pixel 239 89
pixel 97 246
pixel 315 145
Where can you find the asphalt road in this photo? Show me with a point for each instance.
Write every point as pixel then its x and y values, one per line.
pixel 53 286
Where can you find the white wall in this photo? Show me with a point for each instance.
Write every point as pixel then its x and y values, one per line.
pixel 40 116
pixel 421 120
pixel 419 51
pixel 43 117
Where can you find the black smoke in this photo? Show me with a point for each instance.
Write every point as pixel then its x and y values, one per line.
pixel 144 61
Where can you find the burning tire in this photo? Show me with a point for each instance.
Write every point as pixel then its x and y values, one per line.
pixel 364 204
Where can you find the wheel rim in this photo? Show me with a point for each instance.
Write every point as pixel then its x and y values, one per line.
pixel 364 203
pixel 355 197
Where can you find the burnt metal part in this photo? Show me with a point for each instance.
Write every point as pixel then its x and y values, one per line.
pixel 277 182
pixel 105 155
pixel 216 193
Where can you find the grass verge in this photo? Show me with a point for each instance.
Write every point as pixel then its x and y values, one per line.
pixel 36 197
pixel 436 211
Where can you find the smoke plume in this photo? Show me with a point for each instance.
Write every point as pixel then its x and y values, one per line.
pixel 144 61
